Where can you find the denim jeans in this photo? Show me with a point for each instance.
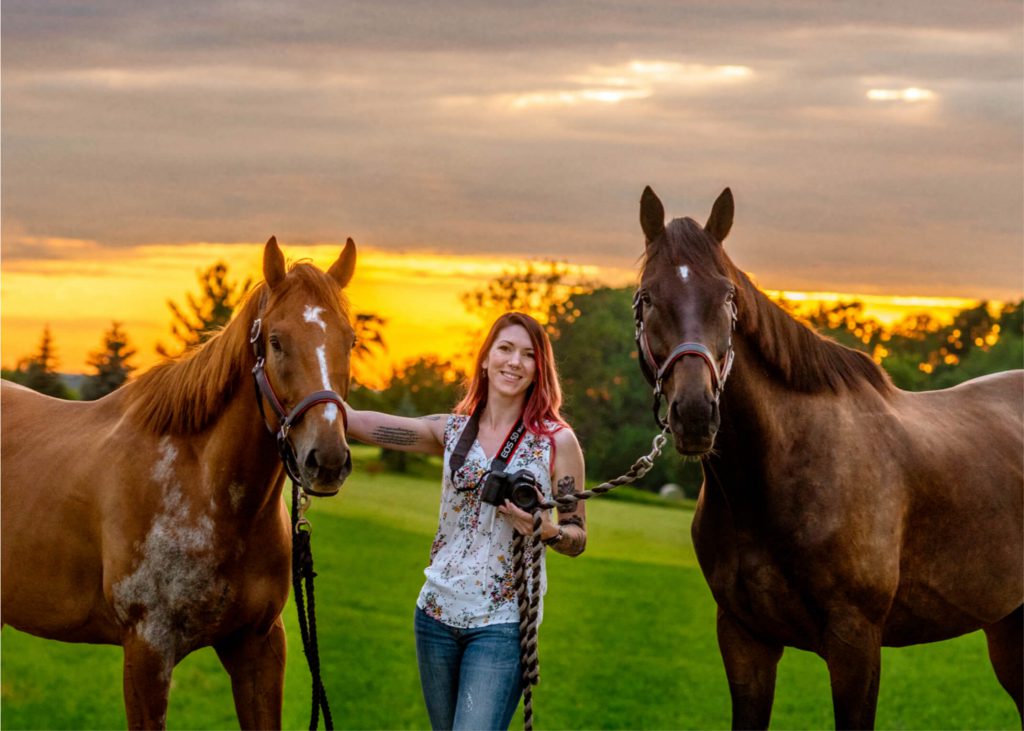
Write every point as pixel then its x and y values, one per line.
pixel 471 678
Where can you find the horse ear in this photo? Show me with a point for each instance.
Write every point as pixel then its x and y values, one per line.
pixel 652 215
pixel 720 221
pixel 273 263
pixel 341 271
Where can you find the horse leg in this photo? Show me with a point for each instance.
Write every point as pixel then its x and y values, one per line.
pixel 750 666
pixel 255 662
pixel 147 682
pixel 853 651
pixel 1005 640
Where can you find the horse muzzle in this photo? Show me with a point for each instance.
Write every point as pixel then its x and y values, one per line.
pixel 694 424
pixel 324 471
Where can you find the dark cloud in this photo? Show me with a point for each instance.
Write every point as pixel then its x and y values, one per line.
pixel 465 126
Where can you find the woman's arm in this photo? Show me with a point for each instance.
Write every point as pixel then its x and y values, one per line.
pixel 425 434
pixel 567 477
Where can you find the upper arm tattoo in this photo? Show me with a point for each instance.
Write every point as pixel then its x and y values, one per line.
pixel 394 435
pixel 566 486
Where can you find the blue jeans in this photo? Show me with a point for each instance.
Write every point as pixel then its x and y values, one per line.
pixel 471 678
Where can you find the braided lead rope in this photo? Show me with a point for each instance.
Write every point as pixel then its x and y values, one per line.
pixel 640 468
pixel 526 563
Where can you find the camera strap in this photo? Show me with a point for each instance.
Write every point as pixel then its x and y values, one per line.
pixel 515 436
pixel 469 434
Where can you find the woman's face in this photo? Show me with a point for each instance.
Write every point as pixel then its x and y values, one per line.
pixel 510 364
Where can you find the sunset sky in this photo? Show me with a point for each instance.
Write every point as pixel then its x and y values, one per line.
pixel 872 148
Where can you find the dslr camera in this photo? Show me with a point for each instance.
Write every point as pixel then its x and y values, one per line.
pixel 520 488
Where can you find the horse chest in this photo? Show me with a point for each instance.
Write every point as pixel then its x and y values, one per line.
pixel 183 583
pixel 749 582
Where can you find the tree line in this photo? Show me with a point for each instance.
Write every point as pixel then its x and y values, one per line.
pixel 606 398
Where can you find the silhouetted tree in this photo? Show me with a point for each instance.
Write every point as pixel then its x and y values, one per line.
pixel 206 313
pixel 544 291
pixel 39 371
pixel 369 330
pixel 110 363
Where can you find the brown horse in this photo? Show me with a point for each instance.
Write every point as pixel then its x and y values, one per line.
pixel 838 513
pixel 153 518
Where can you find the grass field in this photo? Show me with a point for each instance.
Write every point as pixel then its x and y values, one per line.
pixel 628 640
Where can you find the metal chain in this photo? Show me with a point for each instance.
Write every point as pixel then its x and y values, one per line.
pixel 526 563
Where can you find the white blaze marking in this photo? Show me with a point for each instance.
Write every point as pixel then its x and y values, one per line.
pixel 684 272
pixel 331 412
pixel 312 314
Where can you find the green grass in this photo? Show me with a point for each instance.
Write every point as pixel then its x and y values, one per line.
pixel 628 639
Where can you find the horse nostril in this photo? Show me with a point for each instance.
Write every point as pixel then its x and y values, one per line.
pixel 311 461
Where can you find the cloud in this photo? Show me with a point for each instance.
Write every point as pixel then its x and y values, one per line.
pixel 525 128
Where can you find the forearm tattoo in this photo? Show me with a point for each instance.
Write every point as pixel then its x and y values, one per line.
pixel 566 486
pixel 574 539
pixel 435 417
pixel 394 436
pixel 571 520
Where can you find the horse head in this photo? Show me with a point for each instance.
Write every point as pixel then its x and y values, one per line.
pixel 303 341
pixel 685 314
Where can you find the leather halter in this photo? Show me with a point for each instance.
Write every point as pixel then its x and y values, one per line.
pixel 656 375
pixel 286 419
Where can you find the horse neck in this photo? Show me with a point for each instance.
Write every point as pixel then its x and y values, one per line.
pixel 243 455
pixel 760 416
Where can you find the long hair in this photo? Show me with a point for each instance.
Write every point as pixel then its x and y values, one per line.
pixel 543 398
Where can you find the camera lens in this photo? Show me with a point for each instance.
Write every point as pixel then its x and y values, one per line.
pixel 524 497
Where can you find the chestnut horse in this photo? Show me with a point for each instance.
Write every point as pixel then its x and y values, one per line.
pixel 153 518
pixel 838 513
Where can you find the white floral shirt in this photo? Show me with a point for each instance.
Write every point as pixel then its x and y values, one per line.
pixel 470 577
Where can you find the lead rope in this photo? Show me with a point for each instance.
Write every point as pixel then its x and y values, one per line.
pixel 303 574
pixel 526 569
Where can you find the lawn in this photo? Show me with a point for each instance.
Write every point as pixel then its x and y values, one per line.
pixel 628 640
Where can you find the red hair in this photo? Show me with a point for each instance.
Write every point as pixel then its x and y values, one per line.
pixel 544 397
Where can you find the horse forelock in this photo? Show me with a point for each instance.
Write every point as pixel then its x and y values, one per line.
pixel 185 395
pixel 804 359
pixel 686 242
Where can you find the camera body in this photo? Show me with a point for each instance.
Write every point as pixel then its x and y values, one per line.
pixel 520 488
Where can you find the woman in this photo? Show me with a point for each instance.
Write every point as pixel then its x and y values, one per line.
pixel 467 617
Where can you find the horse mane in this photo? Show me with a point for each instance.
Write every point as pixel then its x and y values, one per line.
pixel 800 357
pixel 185 395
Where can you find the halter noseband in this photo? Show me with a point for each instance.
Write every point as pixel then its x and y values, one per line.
pixel 285 419
pixel 656 375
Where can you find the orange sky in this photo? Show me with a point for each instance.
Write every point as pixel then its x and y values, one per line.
pixel 417 293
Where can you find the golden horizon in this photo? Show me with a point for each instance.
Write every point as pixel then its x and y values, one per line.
pixel 418 294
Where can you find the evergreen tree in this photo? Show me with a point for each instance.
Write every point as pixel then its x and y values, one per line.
pixel 39 372
pixel 207 313
pixel 111 364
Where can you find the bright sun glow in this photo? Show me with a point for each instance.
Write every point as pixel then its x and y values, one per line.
pixel 418 294
pixel 638 79
pixel 909 95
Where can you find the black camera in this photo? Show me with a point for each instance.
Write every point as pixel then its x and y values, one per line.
pixel 518 487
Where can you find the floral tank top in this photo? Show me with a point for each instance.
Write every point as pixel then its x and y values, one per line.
pixel 470 579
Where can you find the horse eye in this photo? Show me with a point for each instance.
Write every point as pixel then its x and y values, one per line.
pixel 275 343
